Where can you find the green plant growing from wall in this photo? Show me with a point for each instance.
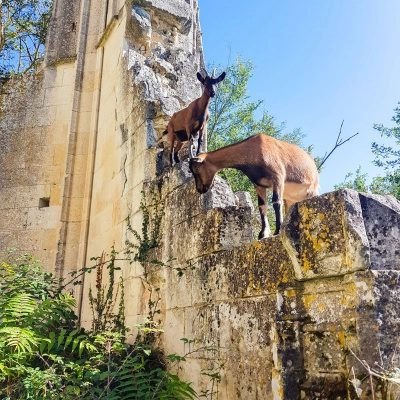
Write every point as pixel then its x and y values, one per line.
pixel 103 303
pixel 150 235
pixel 141 250
pixel 45 355
pixel 192 346
pixel 149 238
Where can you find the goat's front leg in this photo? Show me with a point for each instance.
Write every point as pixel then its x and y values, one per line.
pixel 174 156
pixel 199 145
pixel 262 206
pixel 202 141
pixel 277 204
pixel 192 140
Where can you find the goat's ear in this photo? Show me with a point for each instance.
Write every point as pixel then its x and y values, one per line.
pixel 200 78
pixel 221 77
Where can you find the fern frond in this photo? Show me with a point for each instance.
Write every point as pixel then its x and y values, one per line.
pixel 19 340
pixel 53 312
pixel 17 308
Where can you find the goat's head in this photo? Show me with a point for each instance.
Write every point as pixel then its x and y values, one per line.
pixel 203 173
pixel 210 83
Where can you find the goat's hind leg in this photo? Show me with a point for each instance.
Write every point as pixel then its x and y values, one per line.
pixel 262 206
pixel 172 140
pixel 277 205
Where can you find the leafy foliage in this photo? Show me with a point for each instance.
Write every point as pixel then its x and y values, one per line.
pixel 387 157
pixel 233 117
pixel 356 181
pixel 387 184
pixel 45 355
pixel 104 301
pixel 150 235
pixel 23 29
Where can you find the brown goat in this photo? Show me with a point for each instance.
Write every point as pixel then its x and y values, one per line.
pixel 284 168
pixel 190 123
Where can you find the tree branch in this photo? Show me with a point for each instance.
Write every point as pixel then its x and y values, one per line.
pixel 339 142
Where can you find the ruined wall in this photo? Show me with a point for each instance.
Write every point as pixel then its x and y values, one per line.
pixel 285 313
pixel 74 135
pixel 79 142
pixel 33 145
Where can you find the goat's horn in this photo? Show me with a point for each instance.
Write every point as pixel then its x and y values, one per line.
pixel 213 73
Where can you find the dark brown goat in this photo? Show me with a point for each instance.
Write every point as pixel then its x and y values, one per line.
pixel 285 169
pixel 190 123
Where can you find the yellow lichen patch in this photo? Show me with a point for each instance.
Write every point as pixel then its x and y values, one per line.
pixel 308 299
pixel 321 306
pixel 306 264
pixel 341 338
pixel 314 229
pixel 257 245
pixel 285 277
pixel 346 260
pixel 349 299
pixel 290 293
pixel 215 230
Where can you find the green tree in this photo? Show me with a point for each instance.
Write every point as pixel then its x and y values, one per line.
pixel 23 29
pixel 387 157
pixel 356 181
pixel 233 117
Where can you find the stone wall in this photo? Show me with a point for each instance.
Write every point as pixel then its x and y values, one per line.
pixel 285 314
pixel 73 135
pixel 33 145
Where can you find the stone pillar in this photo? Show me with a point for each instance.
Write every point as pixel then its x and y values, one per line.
pixel 344 247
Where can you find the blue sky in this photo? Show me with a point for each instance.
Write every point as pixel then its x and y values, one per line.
pixel 317 63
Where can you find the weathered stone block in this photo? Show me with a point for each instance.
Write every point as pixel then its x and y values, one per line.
pixel 325 235
pixel 382 224
pixel 173 12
